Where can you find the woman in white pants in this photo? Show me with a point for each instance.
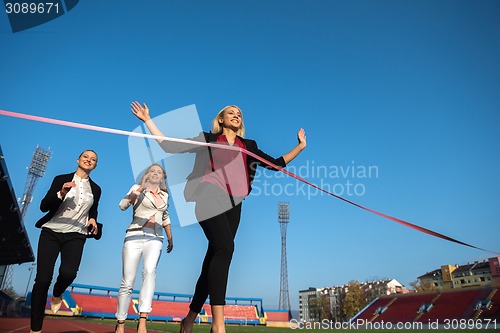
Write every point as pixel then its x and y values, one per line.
pixel 144 238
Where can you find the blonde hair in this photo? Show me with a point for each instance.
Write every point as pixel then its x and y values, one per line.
pixel 163 182
pixel 83 152
pixel 217 128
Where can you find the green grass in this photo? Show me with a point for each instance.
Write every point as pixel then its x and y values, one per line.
pixel 204 328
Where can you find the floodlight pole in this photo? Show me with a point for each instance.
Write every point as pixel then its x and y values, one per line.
pixel 284 219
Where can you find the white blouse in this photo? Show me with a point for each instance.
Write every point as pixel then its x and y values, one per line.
pixel 73 213
pixel 145 208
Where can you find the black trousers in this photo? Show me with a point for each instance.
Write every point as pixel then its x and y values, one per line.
pixel 220 231
pixel 50 244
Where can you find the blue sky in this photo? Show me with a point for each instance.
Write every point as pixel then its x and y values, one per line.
pixel 409 89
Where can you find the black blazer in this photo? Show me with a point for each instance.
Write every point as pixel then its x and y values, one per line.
pixel 202 159
pixel 50 203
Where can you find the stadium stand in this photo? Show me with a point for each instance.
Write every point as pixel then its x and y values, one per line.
pixel 470 303
pixel 452 305
pixel 277 315
pixel 404 308
pixel 238 314
pixel 101 302
pixel 99 306
pixel 491 306
pixel 170 311
pixel 375 308
pixel 277 318
pixel 15 246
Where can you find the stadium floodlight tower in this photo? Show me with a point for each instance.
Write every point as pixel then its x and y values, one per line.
pixel 284 219
pixel 35 171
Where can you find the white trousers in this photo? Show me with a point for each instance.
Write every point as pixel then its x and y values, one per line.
pixel 138 244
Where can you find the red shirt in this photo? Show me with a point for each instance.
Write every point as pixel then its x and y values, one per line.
pixel 228 169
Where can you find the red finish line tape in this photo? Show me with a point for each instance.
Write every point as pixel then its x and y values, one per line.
pixel 244 151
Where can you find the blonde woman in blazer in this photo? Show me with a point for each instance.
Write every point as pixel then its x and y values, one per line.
pixel 224 181
pixel 144 238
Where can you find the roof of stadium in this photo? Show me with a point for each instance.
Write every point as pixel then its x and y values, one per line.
pixel 15 246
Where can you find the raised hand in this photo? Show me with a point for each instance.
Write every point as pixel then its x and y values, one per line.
pixel 66 187
pixel 140 111
pixel 135 194
pixel 301 136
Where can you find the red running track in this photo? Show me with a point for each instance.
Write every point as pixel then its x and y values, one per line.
pixel 57 325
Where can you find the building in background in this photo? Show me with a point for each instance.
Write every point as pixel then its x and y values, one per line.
pixel 316 304
pixel 477 274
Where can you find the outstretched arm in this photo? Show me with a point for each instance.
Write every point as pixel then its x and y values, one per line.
pixel 301 137
pixel 142 112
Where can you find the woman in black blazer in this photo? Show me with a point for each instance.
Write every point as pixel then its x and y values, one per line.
pixel 71 206
pixel 220 181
